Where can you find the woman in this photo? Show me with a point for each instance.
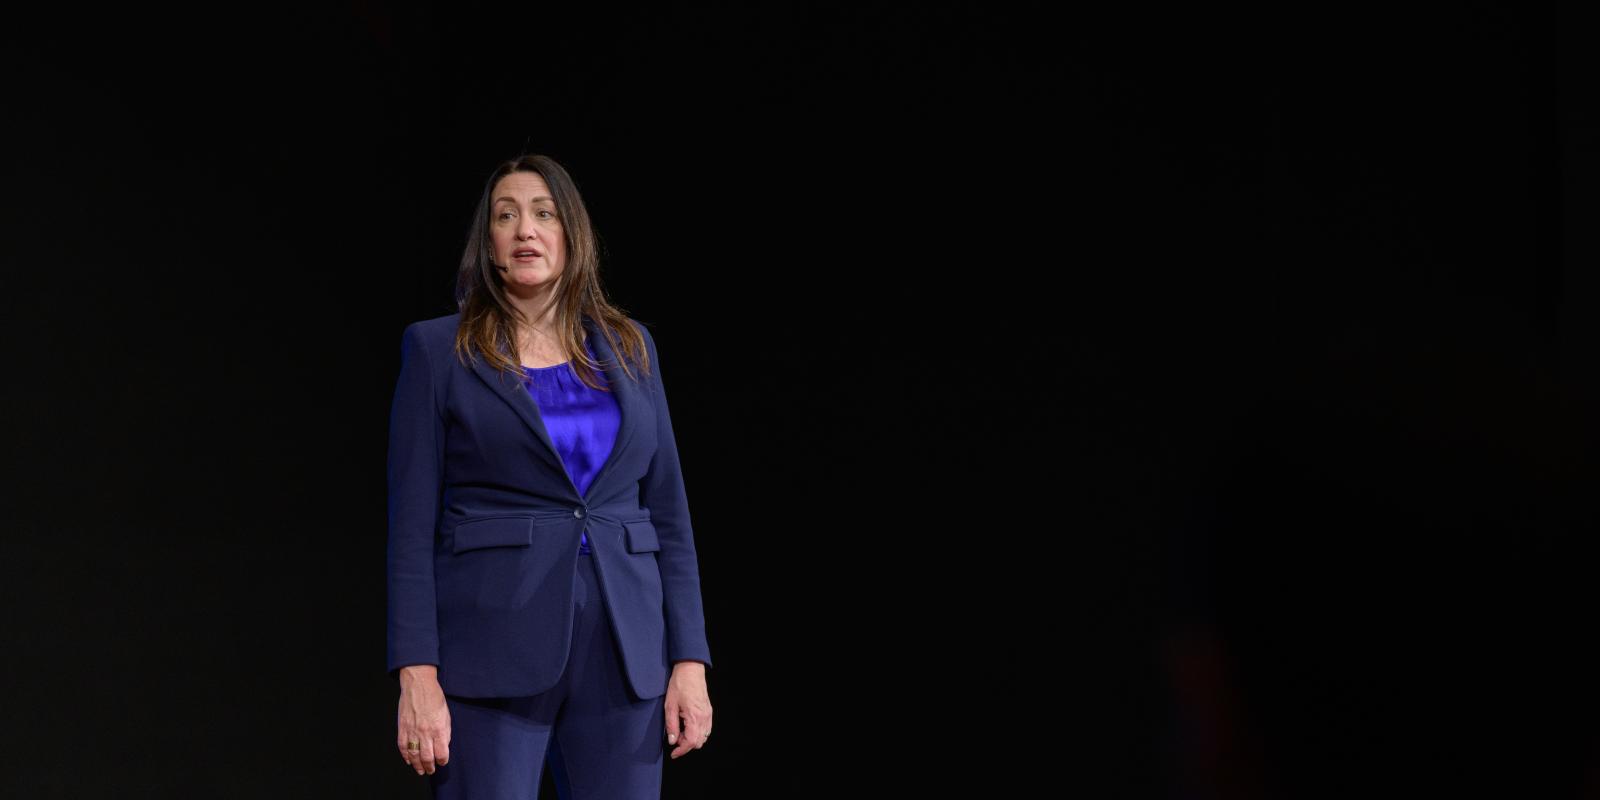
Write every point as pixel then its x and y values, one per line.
pixel 544 593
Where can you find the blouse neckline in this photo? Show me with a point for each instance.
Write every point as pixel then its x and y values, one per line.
pixel 526 368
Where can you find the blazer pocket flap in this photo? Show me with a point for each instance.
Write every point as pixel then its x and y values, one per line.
pixel 493 532
pixel 641 536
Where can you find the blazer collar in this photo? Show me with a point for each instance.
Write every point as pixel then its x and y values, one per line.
pixel 516 394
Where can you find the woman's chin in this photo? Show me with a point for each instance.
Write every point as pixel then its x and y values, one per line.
pixel 529 284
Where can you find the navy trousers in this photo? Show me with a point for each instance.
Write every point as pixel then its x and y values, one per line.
pixel 600 741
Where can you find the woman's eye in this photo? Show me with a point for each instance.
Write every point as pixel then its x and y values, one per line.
pixel 505 214
pixel 546 213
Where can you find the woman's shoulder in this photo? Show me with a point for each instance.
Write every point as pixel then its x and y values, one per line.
pixel 437 327
pixel 590 325
pixel 640 326
pixel 429 339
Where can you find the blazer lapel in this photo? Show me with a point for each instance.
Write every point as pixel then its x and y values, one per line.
pixel 516 395
pixel 628 402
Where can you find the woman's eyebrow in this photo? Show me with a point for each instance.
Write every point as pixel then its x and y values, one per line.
pixel 513 200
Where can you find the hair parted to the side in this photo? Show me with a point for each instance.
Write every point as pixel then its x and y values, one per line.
pixel 488 319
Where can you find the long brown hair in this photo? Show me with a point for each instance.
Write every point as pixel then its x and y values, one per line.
pixel 488 319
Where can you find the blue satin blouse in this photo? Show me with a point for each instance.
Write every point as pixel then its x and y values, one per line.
pixel 582 422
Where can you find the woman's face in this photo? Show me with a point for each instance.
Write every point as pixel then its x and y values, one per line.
pixel 529 247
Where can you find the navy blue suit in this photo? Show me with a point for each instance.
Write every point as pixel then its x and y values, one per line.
pixel 484 525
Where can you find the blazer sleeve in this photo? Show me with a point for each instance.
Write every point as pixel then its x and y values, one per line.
pixel 415 481
pixel 661 491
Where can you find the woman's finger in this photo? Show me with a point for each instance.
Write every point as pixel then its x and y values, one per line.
pixel 409 737
pixel 441 747
pixel 691 737
pixel 425 764
pixel 406 736
pixel 672 718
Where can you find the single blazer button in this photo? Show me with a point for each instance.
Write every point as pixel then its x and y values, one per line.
pixel 577 512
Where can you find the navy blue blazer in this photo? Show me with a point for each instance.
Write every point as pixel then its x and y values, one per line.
pixel 484 523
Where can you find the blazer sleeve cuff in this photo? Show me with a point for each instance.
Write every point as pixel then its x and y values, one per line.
pixel 691 654
pixel 411 658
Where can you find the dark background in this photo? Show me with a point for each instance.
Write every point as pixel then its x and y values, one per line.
pixel 1153 404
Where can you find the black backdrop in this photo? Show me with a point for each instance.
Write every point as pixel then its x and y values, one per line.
pixel 1159 405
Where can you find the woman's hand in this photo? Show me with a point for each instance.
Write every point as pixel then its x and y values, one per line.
pixel 688 702
pixel 424 719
